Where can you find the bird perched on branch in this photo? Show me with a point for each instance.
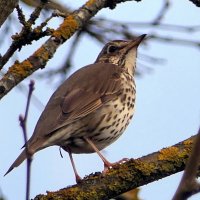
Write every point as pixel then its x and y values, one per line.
pixel 92 108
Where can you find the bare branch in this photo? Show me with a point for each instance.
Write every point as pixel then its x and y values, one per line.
pixel 196 2
pixel 189 185
pixel 23 121
pixel 62 70
pixel 52 5
pixel 175 40
pixel 162 12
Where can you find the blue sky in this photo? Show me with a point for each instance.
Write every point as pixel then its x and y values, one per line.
pixel 167 107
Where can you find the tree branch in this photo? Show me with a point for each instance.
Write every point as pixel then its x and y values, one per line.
pixel 127 176
pixel 196 2
pixel 27 34
pixel 189 184
pixel 6 8
pixel 23 122
pixel 73 22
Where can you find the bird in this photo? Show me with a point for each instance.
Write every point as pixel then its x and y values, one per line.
pixel 92 108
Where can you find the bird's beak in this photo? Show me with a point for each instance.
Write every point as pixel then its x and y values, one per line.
pixel 138 40
pixel 135 42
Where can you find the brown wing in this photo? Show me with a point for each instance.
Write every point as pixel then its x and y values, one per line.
pixel 82 93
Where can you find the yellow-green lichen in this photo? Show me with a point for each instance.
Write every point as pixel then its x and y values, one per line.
pixel 90 3
pixel 188 141
pixel 42 54
pixel 168 154
pixel 146 167
pixel 67 28
pixel 21 70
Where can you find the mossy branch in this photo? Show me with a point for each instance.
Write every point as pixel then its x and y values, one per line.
pixel 73 22
pixel 127 176
pixel 19 71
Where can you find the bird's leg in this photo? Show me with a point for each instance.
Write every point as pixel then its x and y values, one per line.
pixel 77 177
pixel 107 164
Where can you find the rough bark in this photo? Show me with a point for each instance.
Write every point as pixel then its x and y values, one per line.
pixel 73 22
pixel 6 8
pixel 127 176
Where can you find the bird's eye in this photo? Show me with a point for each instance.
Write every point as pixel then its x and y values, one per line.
pixel 111 49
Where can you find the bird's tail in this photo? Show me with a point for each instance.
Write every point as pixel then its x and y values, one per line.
pixel 18 161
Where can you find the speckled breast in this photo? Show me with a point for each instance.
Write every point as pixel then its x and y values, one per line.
pixel 118 114
pixel 107 124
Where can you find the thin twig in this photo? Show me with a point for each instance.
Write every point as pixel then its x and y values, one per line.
pixel 27 34
pixel 35 14
pixel 162 13
pixel 62 71
pixel 21 15
pixel 23 120
pixel 189 185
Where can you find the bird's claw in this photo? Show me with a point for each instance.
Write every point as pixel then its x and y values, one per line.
pixel 109 165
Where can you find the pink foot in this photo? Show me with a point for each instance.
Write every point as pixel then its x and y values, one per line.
pixel 108 165
pixel 78 178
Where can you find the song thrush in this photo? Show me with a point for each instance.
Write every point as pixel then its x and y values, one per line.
pixel 92 108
